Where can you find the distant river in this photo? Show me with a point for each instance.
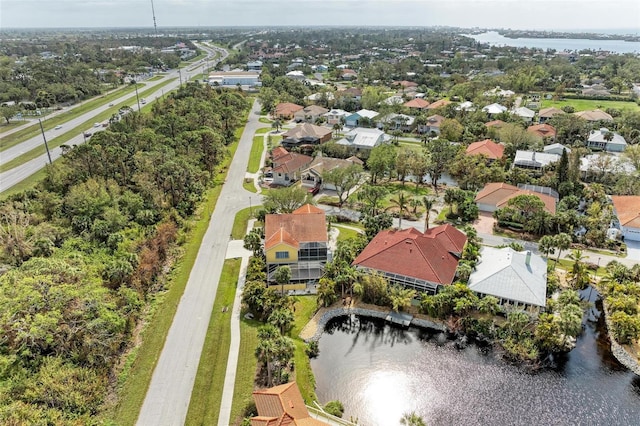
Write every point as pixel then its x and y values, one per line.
pixel 380 372
pixel 495 39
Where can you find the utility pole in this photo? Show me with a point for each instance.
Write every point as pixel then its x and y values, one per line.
pixel 180 75
pixel 137 97
pixel 45 141
pixel 153 11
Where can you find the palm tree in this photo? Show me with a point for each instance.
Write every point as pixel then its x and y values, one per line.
pixel 282 276
pixel 562 242
pixel 276 125
pixel 281 318
pixel 579 275
pixel 412 419
pixel 401 202
pixel 428 204
pixel 400 297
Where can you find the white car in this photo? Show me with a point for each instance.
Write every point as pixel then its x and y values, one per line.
pixel 97 124
pixel 58 127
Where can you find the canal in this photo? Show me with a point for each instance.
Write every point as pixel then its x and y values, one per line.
pixel 380 372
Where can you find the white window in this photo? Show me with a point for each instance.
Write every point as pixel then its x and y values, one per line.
pixel 282 255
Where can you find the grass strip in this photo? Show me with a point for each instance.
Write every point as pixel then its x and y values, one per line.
pixel 305 308
pixel 239 229
pixel 62 139
pixel 246 372
pixel 589 104
pixel 155 78
pixel 12 125
pixel 49 123
pixel 206 395
pixel 256 154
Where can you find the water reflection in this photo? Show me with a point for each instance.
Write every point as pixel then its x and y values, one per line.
pixel 380 372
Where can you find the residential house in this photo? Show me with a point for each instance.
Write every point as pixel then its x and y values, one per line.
pixel 406 84
pixel 606 140
pixel 412 259
pixel 298 240
pixel 321 68
pixel 361 138
pixel 417 103
pixel 594 115
pixel 493 151
pixel 309 114
pixel 546 114
pixel 286 110
pixel 496 195
pixel 282 405
pixel 627 210
pixel 465 106
pixel 358 118
pixel 524 113
pixel 517 279
pixel 544 131
pixel 320 96
pixel 532 160
pixel 295 75
pixel 254 66
pixel 312 175
pixel 352 93
pixel 393 100
pixel 336 116
pixel 287 166
pixel 556 148
pixel 494 109
pixel 349 74
pixel 306 134
pixel 234 78
pixel 497 91
pixel 604 163
pixel 438 104
pixel 432 125
pixel 498 124
pixel 393 121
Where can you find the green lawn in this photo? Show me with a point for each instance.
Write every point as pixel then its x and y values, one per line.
pixel 256 154
pixel 589 104
pixel 206 396
pixel 68 135
pixel 155 78
pixel 240 222
pixel 265 120
pixel 345 233
pixel 4 127
pixel 305 308
pixel 49 123
pixel 249 186
pixel 134 380
pixel 263 130
pixel 246 371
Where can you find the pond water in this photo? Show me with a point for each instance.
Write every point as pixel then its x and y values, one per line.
pixel 495 39
pixel 380 372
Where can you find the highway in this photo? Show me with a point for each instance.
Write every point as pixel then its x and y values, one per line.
pixel 15 175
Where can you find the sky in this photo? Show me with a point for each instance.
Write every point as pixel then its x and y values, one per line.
pixel 515 14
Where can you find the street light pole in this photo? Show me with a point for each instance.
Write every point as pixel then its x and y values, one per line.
pixel 250 207
pixel 137 97
pixel 45 141
pixel 180 75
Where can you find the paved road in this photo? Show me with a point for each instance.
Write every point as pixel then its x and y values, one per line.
pixel 167 399
pixel 15 175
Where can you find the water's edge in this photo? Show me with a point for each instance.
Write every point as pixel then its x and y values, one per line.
pixel 619 352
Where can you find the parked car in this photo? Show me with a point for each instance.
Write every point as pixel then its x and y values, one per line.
pixel 314 190
pixel 97 124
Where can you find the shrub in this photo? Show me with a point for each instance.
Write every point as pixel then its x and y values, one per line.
pixel 335 408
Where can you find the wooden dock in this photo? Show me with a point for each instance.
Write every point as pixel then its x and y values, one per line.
pixel 399 318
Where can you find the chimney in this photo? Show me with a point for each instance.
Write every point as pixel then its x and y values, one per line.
pixel 527 260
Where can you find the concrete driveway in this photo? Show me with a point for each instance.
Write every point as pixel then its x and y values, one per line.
pixel 633 250
pixel 484 223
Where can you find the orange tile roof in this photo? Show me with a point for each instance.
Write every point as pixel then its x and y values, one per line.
pixel 287 162
pixel 282 405
pixel 495 123
pixel 432 256
pixel 307 130
pixel 627 209
pixel 308 209
pixel 438 104
pixel 287 108
pixel 542 130
pixel 417 103
pixel 499 193
pixel 295 228
pixel 488 148
pixel 435 120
